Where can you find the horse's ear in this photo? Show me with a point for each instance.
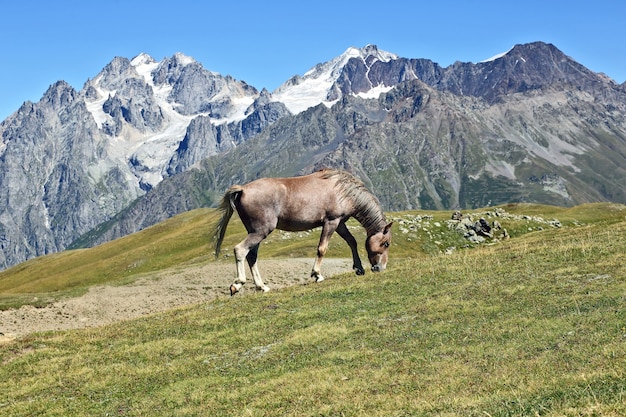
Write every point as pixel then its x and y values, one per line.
pixel 387 228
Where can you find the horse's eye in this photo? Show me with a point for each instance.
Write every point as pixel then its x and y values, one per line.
pixel 386 244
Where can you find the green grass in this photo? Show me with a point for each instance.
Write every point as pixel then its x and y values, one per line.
pixel 534 325
pixel 181 240
pixel 186 240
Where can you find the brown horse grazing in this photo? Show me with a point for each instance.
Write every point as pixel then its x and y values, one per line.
pixel 326 198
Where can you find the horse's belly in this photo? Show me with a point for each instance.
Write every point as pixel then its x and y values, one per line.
pixel 297 225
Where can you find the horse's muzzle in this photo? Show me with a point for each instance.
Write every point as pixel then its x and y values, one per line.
pixel 378 268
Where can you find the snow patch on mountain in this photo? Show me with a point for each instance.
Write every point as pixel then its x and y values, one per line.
pixel 311 89
pixel 148 150
pixel 308 92
pixel 95 106
pixel 154 151
pixel 375 92
pixel 144 65
pixel 497 56
pixel 240 108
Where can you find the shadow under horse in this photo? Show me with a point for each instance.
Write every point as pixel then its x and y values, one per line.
pixel 327 198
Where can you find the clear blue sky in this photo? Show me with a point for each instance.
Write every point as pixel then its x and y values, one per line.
pixel 266 42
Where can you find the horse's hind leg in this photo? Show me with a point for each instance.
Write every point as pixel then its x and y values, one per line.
pixel 241 252
pixel 254 268
pixel 240 280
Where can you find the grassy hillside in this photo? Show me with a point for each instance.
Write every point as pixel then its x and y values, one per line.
pixel 186 240
pixel 533 325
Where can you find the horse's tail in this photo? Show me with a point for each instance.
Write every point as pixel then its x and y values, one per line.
pixel 227 207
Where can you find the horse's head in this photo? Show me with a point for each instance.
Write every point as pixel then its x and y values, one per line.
pixel 377 246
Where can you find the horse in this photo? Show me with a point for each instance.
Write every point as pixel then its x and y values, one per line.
pixel 326 198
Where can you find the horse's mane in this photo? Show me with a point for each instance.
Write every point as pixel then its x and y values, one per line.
pixel 367 207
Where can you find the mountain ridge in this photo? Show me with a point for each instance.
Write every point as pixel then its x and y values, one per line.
pixel 530 125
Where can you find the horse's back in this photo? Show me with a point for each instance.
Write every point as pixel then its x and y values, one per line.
pixel 278 189
pixel 293 203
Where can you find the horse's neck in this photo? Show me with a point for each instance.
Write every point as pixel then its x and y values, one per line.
pixel 371 218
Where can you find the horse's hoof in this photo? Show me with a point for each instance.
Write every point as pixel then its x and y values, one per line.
pixel 359 271
pixel 265 288
pixel 319 278
pixel 233 290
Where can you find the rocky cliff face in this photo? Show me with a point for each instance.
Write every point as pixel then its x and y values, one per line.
pixel 54 176
pixel 203 138
pixel 144 140
pixel 76 159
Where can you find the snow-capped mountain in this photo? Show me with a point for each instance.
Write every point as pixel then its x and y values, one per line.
pixel 75 159
pixel 146 107
pixel 530 125
pixel 527 125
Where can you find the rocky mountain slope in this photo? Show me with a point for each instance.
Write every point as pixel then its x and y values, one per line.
pixel 144 140
pixel 76 158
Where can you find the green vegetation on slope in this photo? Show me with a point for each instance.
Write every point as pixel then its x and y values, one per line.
pixel 186 240
pixel 183 239
pixel 534 325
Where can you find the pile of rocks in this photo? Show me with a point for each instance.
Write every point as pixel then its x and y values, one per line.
pixel 410 224
pixel 475 227
pixel 477 231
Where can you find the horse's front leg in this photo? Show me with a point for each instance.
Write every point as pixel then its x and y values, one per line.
pixel 351 241
pixel 327 231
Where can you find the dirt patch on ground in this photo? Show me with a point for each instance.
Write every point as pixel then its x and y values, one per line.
pixel 157 292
